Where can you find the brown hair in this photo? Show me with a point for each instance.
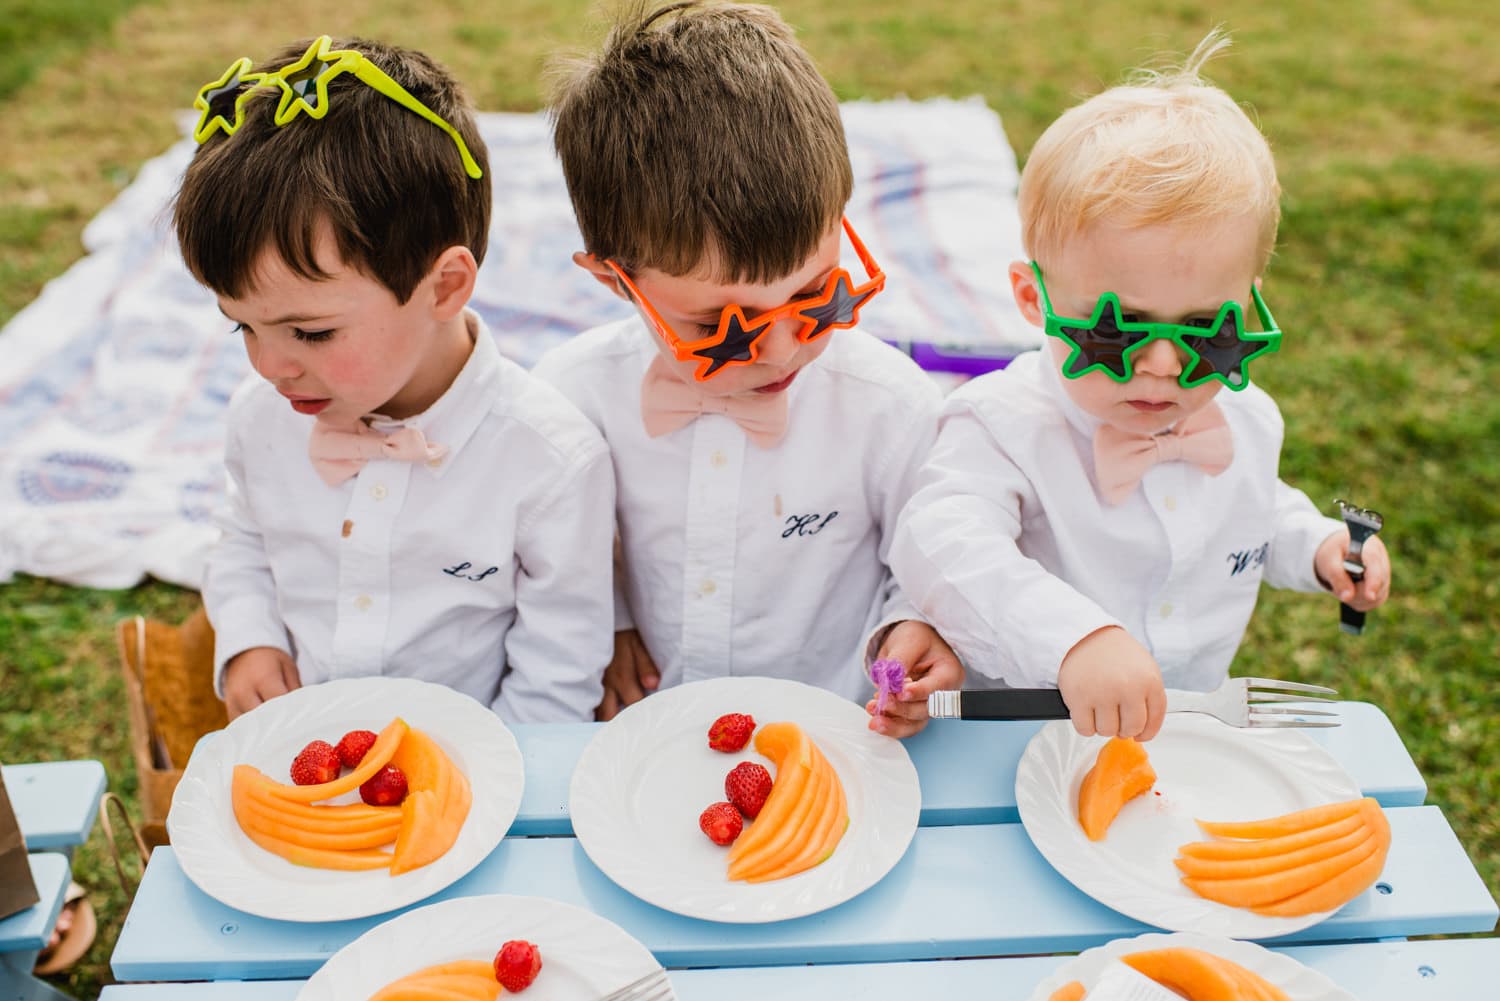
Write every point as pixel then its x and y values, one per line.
pixel 389 184
pixel 1166 147
pixel 701 140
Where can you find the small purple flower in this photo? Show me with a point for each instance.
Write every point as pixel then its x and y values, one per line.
pixel 889 676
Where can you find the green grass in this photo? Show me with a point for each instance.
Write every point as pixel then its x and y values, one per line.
pixel 34 33
pixel 1387 281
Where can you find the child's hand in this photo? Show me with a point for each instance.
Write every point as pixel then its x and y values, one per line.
pixel 1368 593
pixel 1112 686
pixel 932 666
pixel 257 675
pixel 630 676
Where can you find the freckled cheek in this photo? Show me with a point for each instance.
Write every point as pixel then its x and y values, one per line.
pixel 352 369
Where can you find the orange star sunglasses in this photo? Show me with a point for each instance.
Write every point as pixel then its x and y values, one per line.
pixel 737 336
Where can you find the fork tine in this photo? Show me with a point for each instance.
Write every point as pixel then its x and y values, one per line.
pixel 1256 698
pixel 1259 723
pixel 1264 711
pixel 653 986
pixel 1289 686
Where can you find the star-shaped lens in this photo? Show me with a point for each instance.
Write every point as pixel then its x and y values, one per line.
pixel 1103 343
pixel 736 345
pixel 840 310
pixel 1223 351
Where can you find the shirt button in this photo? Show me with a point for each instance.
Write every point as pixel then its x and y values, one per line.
pixel 378 491
pixel 434 463
pixel 718 459
pixel 707 588
pixel 1170 502
pixel 363 602
pixel 1166 609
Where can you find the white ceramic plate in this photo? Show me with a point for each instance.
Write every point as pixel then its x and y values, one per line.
pixel 1204 770
pixel 1299 982
pixel 643 780
pixel 584 957
pixel 216 855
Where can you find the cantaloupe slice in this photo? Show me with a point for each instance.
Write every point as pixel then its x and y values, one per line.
pixel 1121 772
pixel 320 858
pixel 1340 889
pixel 808 845
pixel 1198 975
pixel 1290 823
pixel 375 759
pixel 1267 865
pixel 1331 864
pixel 1072 991
pixel 790 751
pixel 461 980
pixel 788 838
pixel 1283 845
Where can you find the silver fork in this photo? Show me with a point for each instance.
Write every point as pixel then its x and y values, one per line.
pixel 1240 702
pixel 654 986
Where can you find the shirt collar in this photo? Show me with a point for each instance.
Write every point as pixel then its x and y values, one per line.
pixel 453 417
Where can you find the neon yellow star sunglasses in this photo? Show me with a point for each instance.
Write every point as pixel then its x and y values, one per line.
pixel 304 89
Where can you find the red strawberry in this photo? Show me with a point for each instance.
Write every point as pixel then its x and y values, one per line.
pixel 517 964
pixel 731 732
pixel 746 786
pixel 354 745
pixel 386 788
pixel 317 763
pixel 721 822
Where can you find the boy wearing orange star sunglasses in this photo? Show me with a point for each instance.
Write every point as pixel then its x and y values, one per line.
pixel 1099 517
pixel 762 448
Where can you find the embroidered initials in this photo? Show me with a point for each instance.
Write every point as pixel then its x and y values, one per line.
pixel 1249 559
pixel 458 571
pixel 807 524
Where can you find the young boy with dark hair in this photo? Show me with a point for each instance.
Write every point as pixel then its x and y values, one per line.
pixel 402 500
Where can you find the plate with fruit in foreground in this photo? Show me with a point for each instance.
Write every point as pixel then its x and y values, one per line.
pixel 1198 967
pixel 790 806
pixel 345 799
pixel 483 948
pixel 1251 817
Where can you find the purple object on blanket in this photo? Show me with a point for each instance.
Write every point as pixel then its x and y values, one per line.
pixel 889 676
pixel 962 359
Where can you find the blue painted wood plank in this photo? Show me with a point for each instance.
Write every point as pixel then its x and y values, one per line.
pixel 1371 971
pixel 978 890
pixel 55 801
pixel 29 930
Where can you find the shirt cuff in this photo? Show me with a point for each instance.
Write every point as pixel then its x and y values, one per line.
pixel 1302 534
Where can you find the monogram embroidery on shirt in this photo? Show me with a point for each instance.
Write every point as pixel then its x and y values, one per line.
pixel 807 524
pixel 459 571
pixel 1250 559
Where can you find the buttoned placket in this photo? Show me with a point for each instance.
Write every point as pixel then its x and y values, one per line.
pixel 1168 622
pixel 364 567
pixel 711 531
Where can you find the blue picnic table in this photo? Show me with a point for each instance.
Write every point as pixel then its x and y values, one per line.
pixel 964 913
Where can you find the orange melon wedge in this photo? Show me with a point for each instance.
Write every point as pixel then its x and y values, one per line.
pixel 1121 772
pixel 1072 991
pixel 375 759
pixel 1199 975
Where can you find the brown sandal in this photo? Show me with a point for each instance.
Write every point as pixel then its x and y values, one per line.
pixel 75 941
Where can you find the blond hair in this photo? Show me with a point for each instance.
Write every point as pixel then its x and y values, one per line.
pixel 701 140
pixel 1167 146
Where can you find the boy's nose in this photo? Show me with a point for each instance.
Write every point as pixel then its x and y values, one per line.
pixel 1159 357
pixel 269 362
pixel 779 345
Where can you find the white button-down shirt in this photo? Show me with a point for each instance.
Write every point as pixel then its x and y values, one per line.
pixel 491 561
pixel 1014 557
pixel 740 560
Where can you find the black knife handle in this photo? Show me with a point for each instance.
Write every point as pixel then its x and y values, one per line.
pixel 1013 703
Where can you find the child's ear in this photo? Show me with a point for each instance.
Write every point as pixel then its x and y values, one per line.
pixel 601 272
pixel 1028 296
pixel 454 274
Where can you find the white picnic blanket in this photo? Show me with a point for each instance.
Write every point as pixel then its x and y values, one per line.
pixel 113 382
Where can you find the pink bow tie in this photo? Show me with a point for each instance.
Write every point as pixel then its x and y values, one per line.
pixel 340 453
pixel 1122 458
pixel 669 403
